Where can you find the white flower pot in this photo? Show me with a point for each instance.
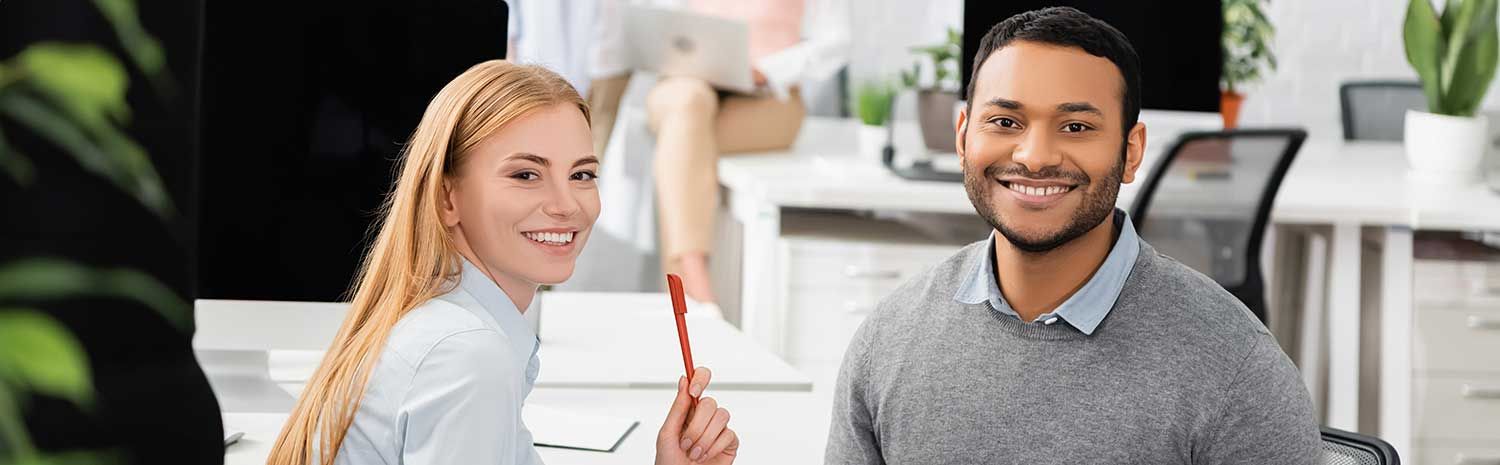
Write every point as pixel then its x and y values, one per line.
pixel 1445 149
pixel 872 141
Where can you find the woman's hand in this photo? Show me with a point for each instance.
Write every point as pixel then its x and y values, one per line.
pixel 696 434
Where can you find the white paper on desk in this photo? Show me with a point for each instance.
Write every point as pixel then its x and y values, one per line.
pixel 566 429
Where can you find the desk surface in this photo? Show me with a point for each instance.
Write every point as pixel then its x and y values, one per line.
pixel 1330 181
pixel 601 340
pixel 630 340
pixel 774 427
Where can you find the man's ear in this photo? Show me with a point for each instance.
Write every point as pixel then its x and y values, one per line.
pixel 960 137
pixel 1135 149
pixel 449 204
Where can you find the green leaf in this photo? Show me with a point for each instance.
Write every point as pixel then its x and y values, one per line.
pixel 41 355
pixel 1472 75
pixel 15 441
pixel 873 102
pixel 38 279
pixel 1422 34
pixel 85 81
pixel 1450 11
pixel 106 152
pixel 15 164
pixel 144 50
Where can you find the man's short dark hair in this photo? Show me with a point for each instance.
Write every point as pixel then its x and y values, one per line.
pixel 1068 27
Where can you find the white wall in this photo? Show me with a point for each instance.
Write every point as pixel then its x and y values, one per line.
pixel 1320 44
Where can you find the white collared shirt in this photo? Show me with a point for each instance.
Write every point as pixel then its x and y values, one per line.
pixel 450 383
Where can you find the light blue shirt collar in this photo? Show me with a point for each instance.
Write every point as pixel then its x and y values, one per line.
pixel 499 307
pixel 1083 310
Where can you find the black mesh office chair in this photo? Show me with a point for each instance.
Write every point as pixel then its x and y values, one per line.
pixel 1376 110
pixel 1346 448
pixel 1208 200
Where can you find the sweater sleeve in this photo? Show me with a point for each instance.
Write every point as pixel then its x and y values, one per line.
pixel 1267 416
pixel 851 437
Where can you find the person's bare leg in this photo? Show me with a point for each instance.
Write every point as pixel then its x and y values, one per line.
pixel 681 112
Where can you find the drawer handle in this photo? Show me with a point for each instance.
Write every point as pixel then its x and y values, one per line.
pixel 1462 459
pixel 865 273
pixel 1471 391
pixel 1479 322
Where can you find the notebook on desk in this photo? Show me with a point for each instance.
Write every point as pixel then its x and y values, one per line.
pixel 564 429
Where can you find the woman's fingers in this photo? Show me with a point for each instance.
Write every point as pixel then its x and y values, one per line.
pixel 727 444
pixel 677 415
pixel 701 415
pixel 701 376
pixel 716 424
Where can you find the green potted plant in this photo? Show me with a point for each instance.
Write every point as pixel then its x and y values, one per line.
pixel 1454 54
pixel 872 104
pixel 72 96
pixel 937 98
pixel 1248 34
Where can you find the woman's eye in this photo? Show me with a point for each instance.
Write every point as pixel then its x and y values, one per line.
pixel 526 176
pixel 1075 127
pixel 585 176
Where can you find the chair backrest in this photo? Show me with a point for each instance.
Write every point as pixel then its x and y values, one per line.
pixel 1376 110
pixel 1346 448
pixel 1207 201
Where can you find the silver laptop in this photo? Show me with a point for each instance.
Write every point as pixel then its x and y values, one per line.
pixel 680 43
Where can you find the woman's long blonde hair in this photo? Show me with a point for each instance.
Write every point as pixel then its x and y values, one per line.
pixel 413 257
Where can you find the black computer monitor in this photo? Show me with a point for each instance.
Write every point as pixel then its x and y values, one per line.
pixel 1178 42
pixel 306 106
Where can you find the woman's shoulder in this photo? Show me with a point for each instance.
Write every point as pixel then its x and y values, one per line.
pixel 437 322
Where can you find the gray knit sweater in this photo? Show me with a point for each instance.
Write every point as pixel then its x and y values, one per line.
pixel 1179 372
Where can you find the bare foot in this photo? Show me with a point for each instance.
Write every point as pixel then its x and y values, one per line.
pixel 695 279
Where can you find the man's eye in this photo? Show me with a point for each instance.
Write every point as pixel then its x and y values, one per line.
pixel 1006 123
pixel 1075 127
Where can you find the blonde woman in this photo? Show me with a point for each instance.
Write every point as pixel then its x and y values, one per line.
pixel 495 196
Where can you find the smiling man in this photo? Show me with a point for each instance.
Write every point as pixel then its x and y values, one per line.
pixel 1064 337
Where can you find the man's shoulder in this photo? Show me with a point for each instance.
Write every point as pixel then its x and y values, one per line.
pixel 1178 295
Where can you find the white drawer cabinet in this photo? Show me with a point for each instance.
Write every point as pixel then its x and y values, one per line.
pixel 1445 454
pixel 1456 362
pixel 1457 407
pixel 1457 339
pixel 838 268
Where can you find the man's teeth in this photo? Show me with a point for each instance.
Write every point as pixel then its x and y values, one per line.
pixel 1040 191
pixel 550 237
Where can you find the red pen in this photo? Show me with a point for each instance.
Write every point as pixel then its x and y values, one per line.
pixel 679 308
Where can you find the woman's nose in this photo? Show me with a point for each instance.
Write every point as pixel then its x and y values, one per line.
pixel 560 201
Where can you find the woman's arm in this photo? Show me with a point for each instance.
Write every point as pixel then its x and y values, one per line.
pixel 464 404
pixel 823 51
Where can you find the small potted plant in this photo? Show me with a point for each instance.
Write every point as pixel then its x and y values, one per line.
pixel 938 98
pixel 1246 43
pixel 1454 54
pixel 872 104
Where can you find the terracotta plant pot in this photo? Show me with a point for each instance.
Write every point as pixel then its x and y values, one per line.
pixel 1229 108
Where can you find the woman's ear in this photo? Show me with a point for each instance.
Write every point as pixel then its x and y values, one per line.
pixel 449 203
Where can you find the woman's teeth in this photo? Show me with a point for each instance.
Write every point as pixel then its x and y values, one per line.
pixel 1042 191
pixel 550 237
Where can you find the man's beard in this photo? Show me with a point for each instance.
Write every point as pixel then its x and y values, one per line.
pixel 1098 202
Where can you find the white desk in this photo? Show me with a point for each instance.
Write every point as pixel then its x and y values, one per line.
pixel 623 340
pixel 593 345
pixel 774 427
pixel 1347 186
pixel 600 340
